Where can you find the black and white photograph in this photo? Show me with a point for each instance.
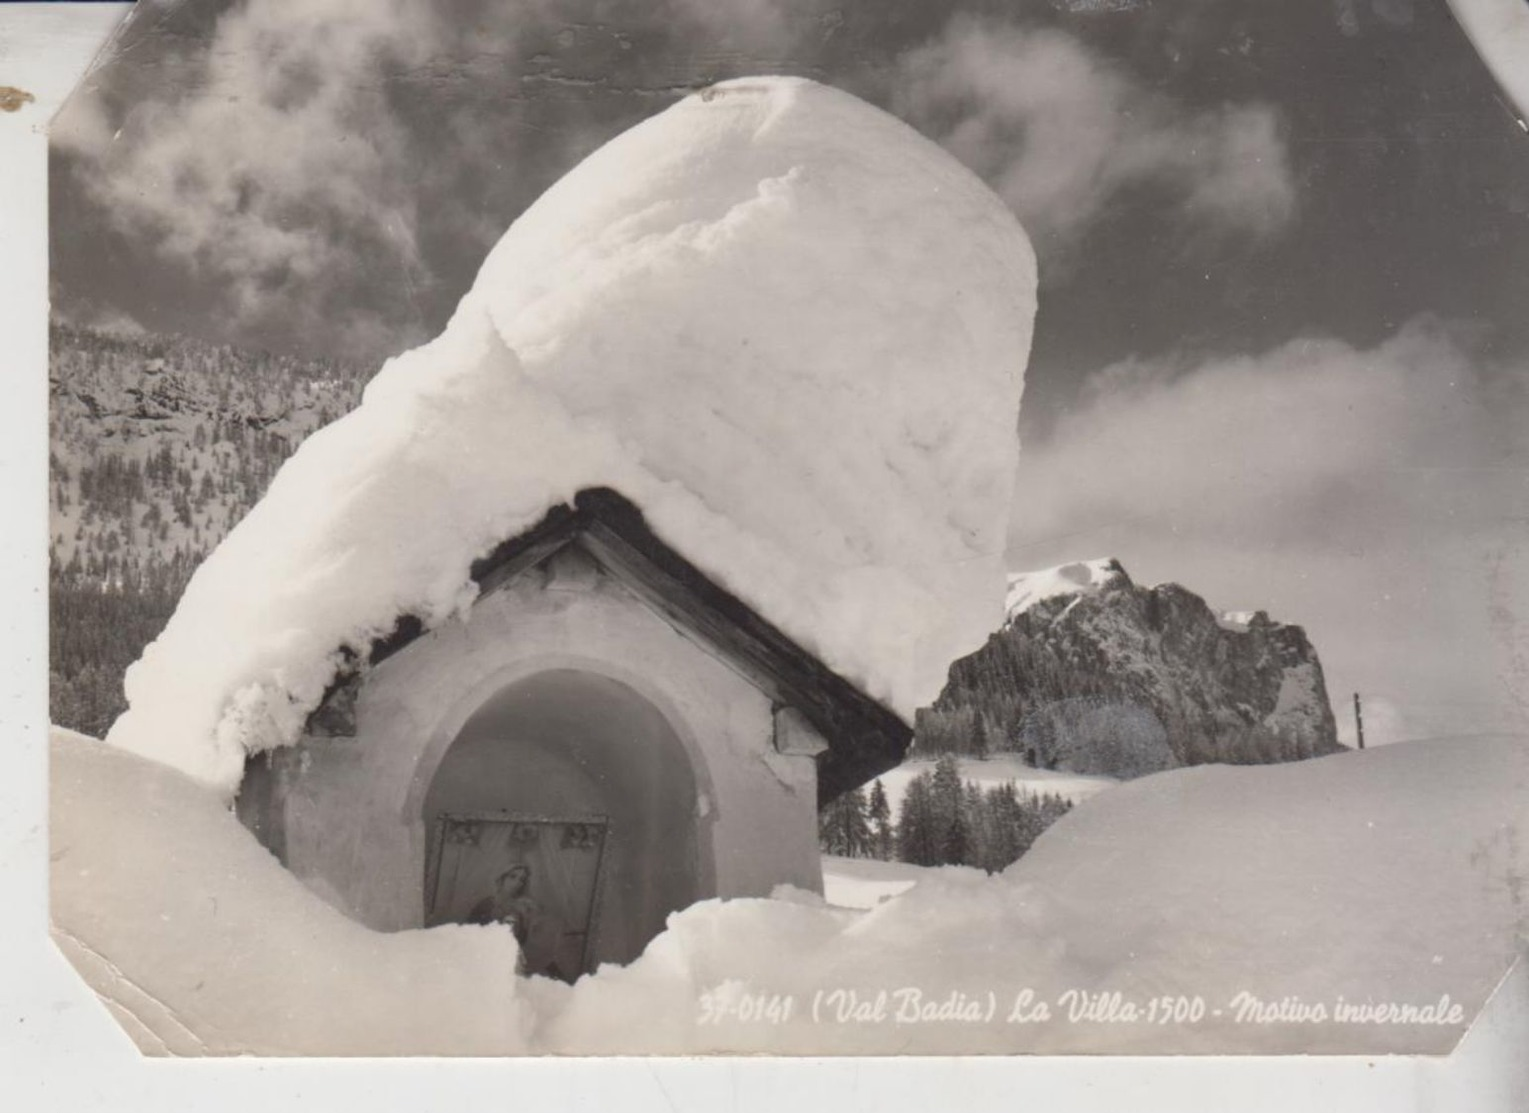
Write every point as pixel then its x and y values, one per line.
pixel 789 527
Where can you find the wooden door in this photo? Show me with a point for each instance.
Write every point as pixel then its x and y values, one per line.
pixel 539 875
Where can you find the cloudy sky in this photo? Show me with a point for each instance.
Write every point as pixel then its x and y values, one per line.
pixel 1282 354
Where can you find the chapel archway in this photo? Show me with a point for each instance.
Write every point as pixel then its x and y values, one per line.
pixel 566 806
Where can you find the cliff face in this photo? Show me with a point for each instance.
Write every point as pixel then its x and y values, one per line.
pixel 1097 674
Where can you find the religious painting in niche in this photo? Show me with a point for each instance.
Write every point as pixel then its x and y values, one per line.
pixel 539 876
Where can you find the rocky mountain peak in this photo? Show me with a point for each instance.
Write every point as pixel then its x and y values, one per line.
pixel 1096 673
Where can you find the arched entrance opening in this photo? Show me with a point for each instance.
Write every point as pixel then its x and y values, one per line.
pixel 566 806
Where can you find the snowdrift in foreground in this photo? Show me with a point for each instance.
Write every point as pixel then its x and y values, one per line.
pixel 202 944
pixel 784 324
pixel 1380 877
pixel 1383 877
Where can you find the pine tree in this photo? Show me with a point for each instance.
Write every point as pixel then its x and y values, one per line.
pixel 857 831
pixel 945 786
pixel 831 829
pixel 946 799
pixel 978 828
pixel 981 746
pixel 1004 817
pixel 879 813
pixel 917 842
pixel 842 827
pixel 956 845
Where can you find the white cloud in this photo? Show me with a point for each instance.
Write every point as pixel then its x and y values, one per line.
pixel 1313 438
pixel 1059 131
pixel 1379 497
pixel 272 154
pixel 279 161
pixel 314 164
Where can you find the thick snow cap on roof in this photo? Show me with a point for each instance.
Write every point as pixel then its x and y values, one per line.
pixel 789 328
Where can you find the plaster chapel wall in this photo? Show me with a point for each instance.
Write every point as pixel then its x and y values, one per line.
pixel 560 691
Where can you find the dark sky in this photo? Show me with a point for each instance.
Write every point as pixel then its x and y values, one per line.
pixel 1282 353
pixel 1411 189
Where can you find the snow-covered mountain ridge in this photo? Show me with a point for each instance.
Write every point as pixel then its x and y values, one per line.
pixel 1026 589
pixel 1095 673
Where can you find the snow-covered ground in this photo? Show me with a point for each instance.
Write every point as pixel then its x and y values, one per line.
pixel 1237 909
pixel 865 882
pixel 200 943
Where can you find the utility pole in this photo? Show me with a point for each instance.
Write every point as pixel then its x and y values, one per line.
pixel 1359 720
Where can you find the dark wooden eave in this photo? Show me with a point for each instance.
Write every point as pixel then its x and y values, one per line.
pixel 864 738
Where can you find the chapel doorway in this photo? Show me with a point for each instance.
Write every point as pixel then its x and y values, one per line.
pixel 567 809
pixel 540 876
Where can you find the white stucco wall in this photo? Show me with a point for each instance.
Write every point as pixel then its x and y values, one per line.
pixel 350 811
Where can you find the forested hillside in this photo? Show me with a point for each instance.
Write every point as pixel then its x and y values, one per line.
pixel 157 446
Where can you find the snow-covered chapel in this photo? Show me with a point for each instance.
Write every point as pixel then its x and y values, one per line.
pixel 597 596
pixel 606 717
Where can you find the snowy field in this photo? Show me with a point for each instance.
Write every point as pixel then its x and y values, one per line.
pixel 1262 900
pixel 996 770
pixel 865 882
